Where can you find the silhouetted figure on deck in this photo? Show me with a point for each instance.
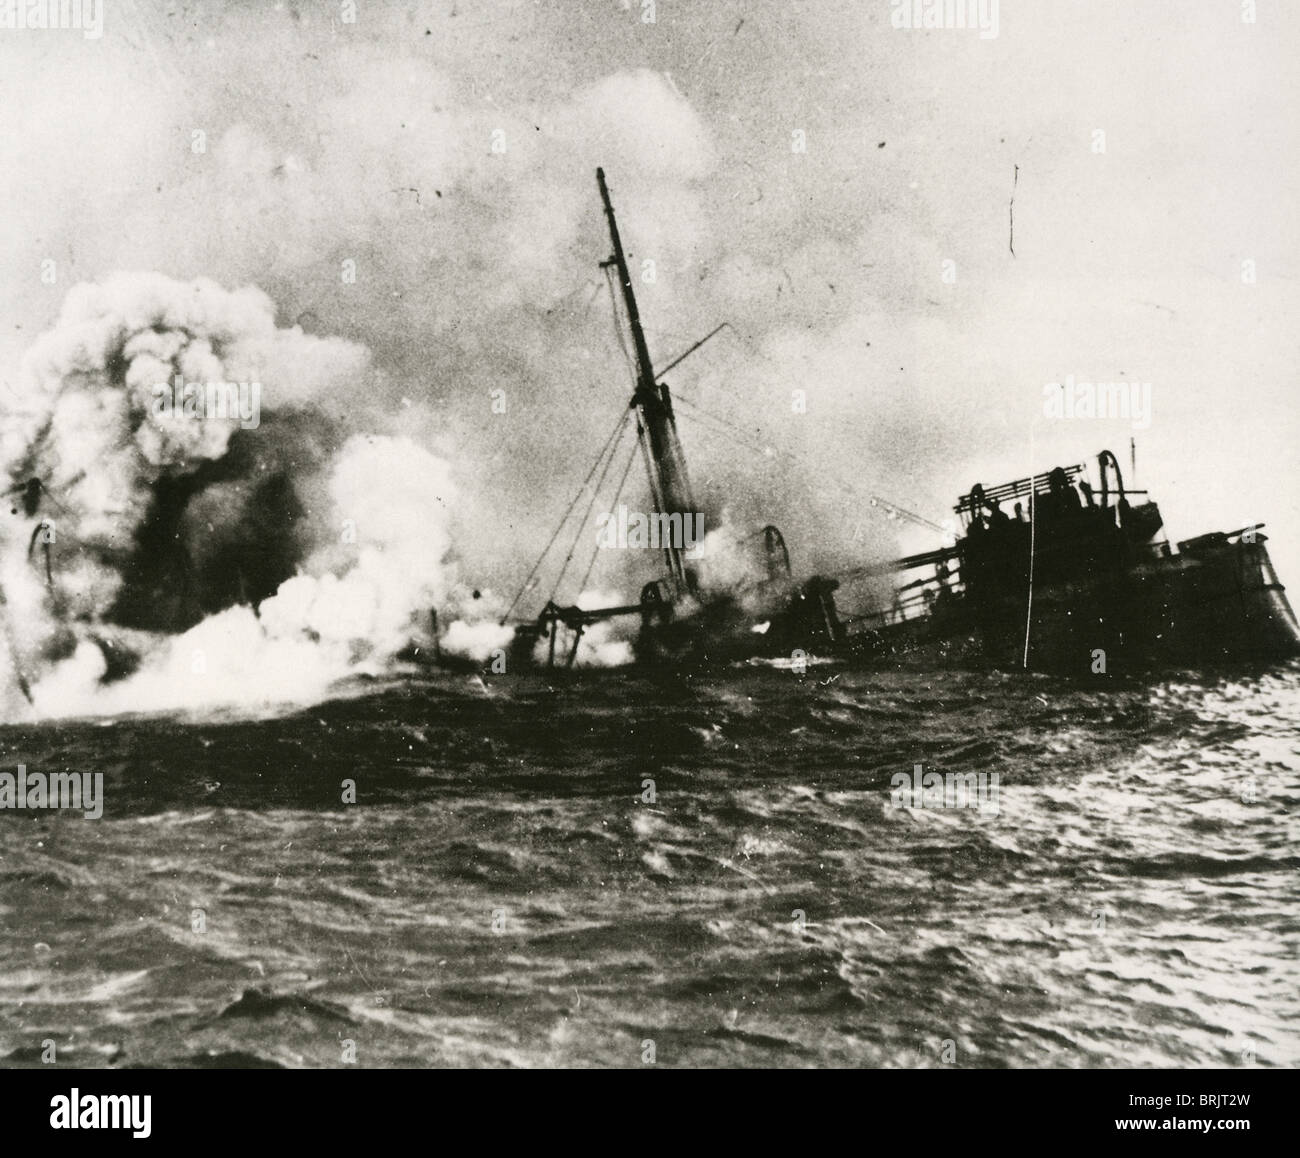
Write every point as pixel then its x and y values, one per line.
pixel 1062 499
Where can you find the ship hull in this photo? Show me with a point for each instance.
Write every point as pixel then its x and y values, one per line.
pixel 1221 603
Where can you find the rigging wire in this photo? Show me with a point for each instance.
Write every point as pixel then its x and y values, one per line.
pixel 691 349
pixel 656 492
pixel 604 450
pixel 656 497
pixel 618 329
pixel 586 515
pixel 618 494
pixel 742 437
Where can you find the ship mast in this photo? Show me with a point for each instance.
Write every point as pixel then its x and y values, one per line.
pixel 669 485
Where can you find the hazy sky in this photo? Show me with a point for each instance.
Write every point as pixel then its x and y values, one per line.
pixel 268 144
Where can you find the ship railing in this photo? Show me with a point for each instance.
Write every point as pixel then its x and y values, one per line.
pixel 915 606
pixel 976 500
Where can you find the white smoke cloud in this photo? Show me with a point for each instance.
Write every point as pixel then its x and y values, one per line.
pixel 361 531
pixel 351 610
pixel 476 641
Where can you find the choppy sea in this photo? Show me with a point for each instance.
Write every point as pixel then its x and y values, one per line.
pixel 510 889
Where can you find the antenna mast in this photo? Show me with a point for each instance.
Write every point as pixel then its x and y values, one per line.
pixel 668 480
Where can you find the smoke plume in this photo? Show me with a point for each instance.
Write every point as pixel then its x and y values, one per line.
pixel 232 562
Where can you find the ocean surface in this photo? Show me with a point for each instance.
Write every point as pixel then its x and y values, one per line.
pixel 507 890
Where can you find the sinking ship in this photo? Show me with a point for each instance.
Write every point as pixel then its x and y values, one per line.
pixel 1066 571
pixel 1081 578
pixel 678 619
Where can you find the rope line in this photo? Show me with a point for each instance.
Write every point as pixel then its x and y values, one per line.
pixel 586 515
pixel 618 430
pixel 618 494
pixel 618 329
pixel 746 441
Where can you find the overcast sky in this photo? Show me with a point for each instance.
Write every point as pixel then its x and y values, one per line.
pixel 268 144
